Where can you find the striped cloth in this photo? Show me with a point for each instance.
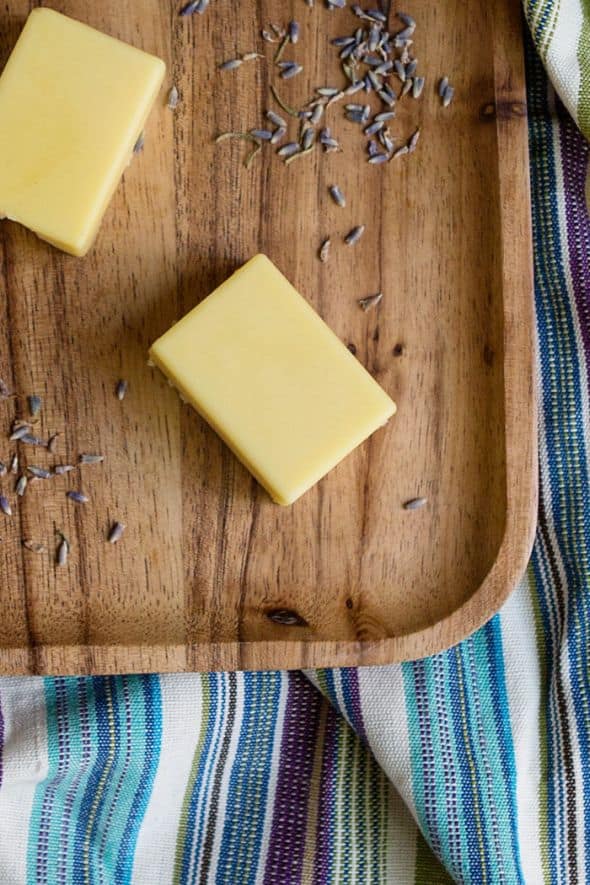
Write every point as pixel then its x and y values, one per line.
pixel 472 766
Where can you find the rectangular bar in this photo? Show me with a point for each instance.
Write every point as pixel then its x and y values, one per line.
pixel 258 363
pixel 73 102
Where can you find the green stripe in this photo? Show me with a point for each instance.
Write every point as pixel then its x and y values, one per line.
pixel 550 25
pixel 429 870
pixel 183 824
pixel 543 725
pixel 584 63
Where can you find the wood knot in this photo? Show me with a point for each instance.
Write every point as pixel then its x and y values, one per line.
pixel 352 348
pixel 503 110
pixel 487 111
pixel 399 349
pixel 286 617
pixel 489 355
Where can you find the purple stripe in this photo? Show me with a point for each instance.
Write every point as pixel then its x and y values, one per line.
pixel 1 741
pixel 284 863
pixel 574 148
pixel 326 817
pixel 350 683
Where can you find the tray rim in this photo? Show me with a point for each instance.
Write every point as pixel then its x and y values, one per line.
pixel 520 389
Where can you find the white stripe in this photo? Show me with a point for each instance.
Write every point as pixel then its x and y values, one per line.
pixel 523 687
pixel 562 54
pixel 232 753
pixel 268 802
pixel 182 715
pixel 389 740
pixel 25 765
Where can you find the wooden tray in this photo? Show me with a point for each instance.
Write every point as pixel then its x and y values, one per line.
pixel 206 555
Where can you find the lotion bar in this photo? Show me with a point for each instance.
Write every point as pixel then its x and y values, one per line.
pixel 73 102
pixel 258 363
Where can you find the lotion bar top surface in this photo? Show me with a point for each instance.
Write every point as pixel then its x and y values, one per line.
pixel 73 102
pixel 272 379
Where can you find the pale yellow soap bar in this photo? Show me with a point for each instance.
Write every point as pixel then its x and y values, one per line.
pixel 272 379
pixel 73 102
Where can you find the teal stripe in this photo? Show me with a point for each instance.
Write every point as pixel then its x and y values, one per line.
pixel 103 739
pixel 463 741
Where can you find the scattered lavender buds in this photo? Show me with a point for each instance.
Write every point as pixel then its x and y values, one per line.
pixel 413 142
pixel 289 69
pixel 442 86
pixel 288 150
pixel 415 503
pixel 39 472
pixel 231 64
pixel 3 469
pixel 52 443
pixel 63 549
pixel 406 19
pixel 198 6
pixel 354 235
pixel 448 96
pixel 276 119
pixel 337 196
pixel 173 97
pixel 417 87
pixel 116 532
pixel 370 301
pixel 293 32
pixel 77 497
pixel 21 485
pixel 30 440
pixel 5 506
pixel 262 134
pixel 34 546
pixel 19 432
pixel 378 158
pixel 62 469
pixel 307 139
pixel 139 144
pixel 278 134
pixel 35 404
pixel 121 389
pixel 91 459
pixel 324 252
pixel 14 464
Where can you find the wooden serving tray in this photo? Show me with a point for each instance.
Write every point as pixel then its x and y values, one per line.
pixel 207 558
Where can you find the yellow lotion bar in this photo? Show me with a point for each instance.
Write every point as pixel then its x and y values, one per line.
pixel 272 379
pixel 73 102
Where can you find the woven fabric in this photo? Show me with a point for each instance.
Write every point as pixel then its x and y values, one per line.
pixel 471 766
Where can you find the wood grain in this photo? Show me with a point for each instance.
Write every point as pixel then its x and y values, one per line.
pixel 207 556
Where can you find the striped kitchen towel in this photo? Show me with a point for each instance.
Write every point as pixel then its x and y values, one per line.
pixel 561 33
pixel 471 766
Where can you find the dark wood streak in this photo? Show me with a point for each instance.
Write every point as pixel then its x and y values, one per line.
pixel 23 578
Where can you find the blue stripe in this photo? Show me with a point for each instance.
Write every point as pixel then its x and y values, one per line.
pixel 242 834
pixel 496 679
pixel 101 742
pixel 151 697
